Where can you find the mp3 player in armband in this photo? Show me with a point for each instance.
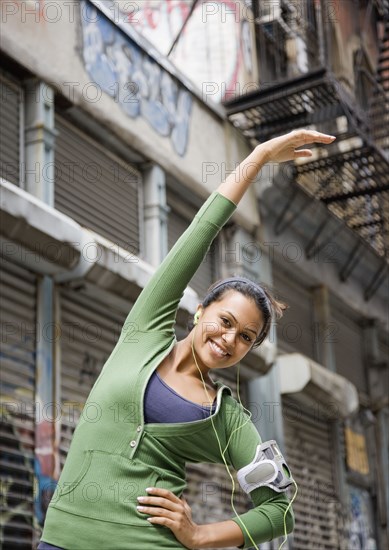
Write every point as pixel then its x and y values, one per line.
pixel 268 468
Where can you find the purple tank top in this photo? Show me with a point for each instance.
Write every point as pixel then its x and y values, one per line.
pixel 163 404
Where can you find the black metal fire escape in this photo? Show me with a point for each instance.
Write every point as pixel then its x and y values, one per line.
pixel 351 177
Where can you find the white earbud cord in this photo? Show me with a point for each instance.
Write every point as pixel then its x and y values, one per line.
pixel 286 511
pixel 228 442
pixel 220 446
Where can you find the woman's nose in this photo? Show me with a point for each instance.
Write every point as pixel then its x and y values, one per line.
pixel 229 337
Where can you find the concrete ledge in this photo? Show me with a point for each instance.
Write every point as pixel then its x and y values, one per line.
pixel 310 382
pixel 42 238
pixel 45 241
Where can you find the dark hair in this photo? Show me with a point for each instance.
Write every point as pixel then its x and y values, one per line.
pixel 270 308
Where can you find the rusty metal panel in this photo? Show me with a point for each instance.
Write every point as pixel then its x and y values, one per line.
pixel 11 97
pixel 178 221
pixel 90 328
pixel 96 188
pixel 18 342
pixel 347 341
pixel 308 451
pixel 296 329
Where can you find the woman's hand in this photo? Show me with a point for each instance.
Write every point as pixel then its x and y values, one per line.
pixel 279 149
pixel 284 148
pixel 165 508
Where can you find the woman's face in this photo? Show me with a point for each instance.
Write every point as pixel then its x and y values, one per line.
pixel 226 330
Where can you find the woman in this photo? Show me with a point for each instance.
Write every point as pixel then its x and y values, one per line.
pixel 155 406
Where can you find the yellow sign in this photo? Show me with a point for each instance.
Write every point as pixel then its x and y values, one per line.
pixel 356 453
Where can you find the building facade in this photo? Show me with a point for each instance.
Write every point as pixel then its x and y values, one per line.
pixel 107 151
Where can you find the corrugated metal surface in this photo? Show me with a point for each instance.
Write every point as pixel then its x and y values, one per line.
pixel 89 331
pixel 96 188
pixel 347 340
pixel 177 224
pixel 309 454
pixel 18 342
pixel 295 330
pixel 11 97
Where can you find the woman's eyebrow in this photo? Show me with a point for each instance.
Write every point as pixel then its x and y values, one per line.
pixel 233 316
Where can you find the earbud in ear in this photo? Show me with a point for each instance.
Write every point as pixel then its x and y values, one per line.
pixel 196 317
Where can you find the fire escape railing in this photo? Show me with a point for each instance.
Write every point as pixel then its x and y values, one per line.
pixel 351 177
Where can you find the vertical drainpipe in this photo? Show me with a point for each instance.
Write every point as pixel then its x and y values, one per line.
pixel 325 355
pixel 38 179
pixel 39 140
pixel 155 215
pixel 45 405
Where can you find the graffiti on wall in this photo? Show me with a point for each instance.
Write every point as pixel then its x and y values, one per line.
pixel 16 480
pixel 358 528
pixel 215 46
pixel 137 83
pixel 27 482
pixel 159 21
pixel 27 458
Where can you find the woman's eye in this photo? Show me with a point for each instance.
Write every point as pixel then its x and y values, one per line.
pixel 225 321
pixel 246 337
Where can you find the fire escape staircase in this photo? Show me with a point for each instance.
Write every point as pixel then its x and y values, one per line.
pixel 351 176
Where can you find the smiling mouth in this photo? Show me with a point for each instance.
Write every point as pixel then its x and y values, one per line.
pixel 217 349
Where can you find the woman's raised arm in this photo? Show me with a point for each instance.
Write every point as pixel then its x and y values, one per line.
pixel 279 149
pixel 156 306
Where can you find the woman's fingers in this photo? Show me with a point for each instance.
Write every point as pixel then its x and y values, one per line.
pixel 159 501
pixel 154 511
pixel 305 137
pixel 301 153
pixel 183 500
pixel 311 136
pixel 162 498
pixel 165 508
pixel 157 491
pixel 162 508
pixel 285 148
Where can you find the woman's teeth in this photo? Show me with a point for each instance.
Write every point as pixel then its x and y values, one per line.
pixel 217 349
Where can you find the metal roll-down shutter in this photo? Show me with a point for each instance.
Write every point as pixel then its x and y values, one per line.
pixel 90 328
pixel 18 342
pixel 308 450
pixel 11 95
pixel 96 188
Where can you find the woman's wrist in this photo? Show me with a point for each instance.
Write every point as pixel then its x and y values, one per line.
pixel 218 535
pixel 263 151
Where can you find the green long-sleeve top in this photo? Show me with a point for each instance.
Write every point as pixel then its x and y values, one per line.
pixel 114 455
